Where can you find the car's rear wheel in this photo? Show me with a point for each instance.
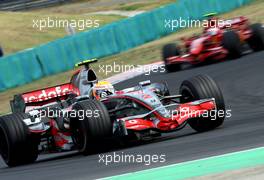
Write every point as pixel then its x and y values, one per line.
pixel 232 44
pixel 168 51
pixel 17 145
pixel 94 126
pixel 203 87
pixel 256 41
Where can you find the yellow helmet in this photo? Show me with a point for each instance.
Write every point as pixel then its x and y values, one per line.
pixel 102 89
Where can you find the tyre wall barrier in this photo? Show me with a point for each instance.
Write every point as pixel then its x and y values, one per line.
pixel 61 55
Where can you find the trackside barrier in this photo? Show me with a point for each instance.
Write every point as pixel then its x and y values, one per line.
pixel 61 55
pixel 19 69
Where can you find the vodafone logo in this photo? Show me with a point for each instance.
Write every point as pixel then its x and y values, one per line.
pixel 46 94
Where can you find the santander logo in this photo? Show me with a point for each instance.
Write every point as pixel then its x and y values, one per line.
pixel 49 93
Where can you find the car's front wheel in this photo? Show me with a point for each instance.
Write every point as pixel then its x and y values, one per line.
pixel 204 87
pixel 92 125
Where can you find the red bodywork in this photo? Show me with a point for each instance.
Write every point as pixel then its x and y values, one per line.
pixel 185 112
pixel 201 49
pixel 180 115
pixel 242 27
pixel 205 48
pixel 48 95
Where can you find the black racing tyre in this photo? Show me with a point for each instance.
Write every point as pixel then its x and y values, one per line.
pixel 168 51
pixel 17 145
pixel 256 41
pixel 232 44
pixel 203 87
pixel 92 128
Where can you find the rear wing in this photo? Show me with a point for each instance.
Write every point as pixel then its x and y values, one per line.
pixel 235 22
pixel 42 96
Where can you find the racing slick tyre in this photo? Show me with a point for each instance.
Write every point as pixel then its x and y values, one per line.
pixel 168 51
pixel 203 87
pixel 94 126
pixel 232 44
pixel 256 41
pixel 17 145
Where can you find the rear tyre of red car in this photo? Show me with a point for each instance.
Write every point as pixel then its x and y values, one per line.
pixel 232 44
pixel 168 51
pixel 203 87
pixel 96 125
pixel 17 146
pixel 256 41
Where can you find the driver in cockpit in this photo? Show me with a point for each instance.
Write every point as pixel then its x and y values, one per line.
pixel 102 89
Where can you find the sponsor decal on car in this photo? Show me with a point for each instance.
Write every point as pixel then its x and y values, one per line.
pixel 49 93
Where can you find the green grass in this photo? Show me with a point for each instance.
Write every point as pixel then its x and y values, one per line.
pixel 18 33
pixel 132 7
pixel 144 5
pixel 87 6
pixel 147 53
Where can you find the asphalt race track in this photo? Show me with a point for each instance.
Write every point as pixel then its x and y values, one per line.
pixel 242 83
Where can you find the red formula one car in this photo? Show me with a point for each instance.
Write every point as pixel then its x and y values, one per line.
pixel 215 43
pixel 62 119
